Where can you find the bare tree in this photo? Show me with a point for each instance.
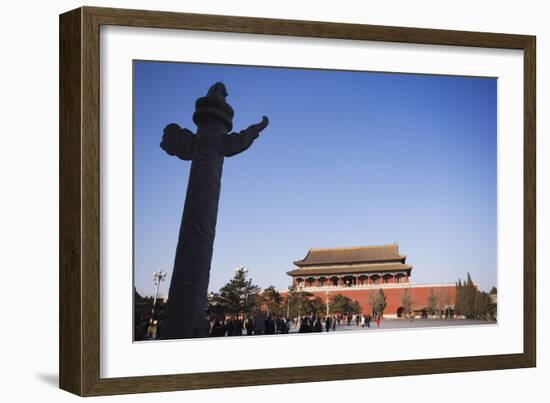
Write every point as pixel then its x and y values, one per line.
pixel 443 301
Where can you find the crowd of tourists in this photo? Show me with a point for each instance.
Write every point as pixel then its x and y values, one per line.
pixel 263 323
pixel 315 323
pixel 259 324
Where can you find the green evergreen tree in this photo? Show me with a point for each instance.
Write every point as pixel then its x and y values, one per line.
pixel 272 300
pixel 344 305
pixel 355 307
pixel 239 295
pixel 459 303
pixel 316 306
pixel 377 300
pixel 470 292
pixel 492 312
pixel 471 302
pixel 296 302
pixel 482 305
pixel 215 304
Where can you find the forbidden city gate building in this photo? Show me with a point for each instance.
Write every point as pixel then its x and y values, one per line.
pixel 358 271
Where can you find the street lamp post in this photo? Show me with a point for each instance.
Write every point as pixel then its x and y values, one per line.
pixel 288 304
pixel 158 277
pixel 300 287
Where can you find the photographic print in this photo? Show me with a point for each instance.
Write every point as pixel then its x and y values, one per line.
pixel 236 185
pixel 276 201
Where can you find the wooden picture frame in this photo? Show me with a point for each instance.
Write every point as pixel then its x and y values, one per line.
pixel 80 200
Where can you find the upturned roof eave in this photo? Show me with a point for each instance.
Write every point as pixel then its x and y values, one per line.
pixel 303 262
pixel 347 270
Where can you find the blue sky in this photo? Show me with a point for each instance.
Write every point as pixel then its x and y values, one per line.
pixel 349 158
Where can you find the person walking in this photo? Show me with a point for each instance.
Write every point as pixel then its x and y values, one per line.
pixel 249 326
pixel 378 320
pixel 216 330
pixel 284 325
pixel 238 327
pixel 318 327
pixel 223 327
pixel 327 323
pixel 303 325
pixel 269 325
pixel 152 331
pixel 259 323
pixel 230 326
pixel 309 324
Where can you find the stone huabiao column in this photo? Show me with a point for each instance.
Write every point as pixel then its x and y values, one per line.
pixel 187 298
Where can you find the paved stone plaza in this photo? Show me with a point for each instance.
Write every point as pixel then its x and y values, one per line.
pixel 396 324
